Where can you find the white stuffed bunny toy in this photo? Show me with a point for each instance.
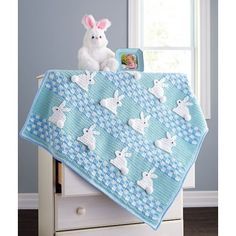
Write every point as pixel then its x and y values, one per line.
pixel 94 55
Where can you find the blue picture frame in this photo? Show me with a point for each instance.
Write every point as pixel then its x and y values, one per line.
pixel 130 59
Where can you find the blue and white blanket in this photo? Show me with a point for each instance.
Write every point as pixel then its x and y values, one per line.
pixel 135 140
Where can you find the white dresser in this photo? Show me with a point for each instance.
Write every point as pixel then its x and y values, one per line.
pixel 69 206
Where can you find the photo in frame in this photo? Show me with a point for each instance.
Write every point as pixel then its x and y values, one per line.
pixel 130 59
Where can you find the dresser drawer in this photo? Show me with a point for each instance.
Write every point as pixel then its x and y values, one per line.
pixel 167 228
pixel 74 185
pixel 96 211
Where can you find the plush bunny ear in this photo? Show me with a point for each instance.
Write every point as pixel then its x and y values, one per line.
pixel 103 24
pixel 88 21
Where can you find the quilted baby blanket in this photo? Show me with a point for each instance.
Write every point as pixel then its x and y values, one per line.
pixel 135 140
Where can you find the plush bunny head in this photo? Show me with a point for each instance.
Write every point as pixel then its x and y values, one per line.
pixel 95 36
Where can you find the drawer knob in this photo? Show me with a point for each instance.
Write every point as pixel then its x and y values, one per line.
pixel 81 211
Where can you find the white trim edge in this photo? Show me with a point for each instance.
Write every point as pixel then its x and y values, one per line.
pixel 191 199
pixel 134 37
pixel 28 200
pixel 200 198
pixel 204 44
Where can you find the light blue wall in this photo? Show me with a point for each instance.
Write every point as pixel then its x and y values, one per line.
pixel 50 33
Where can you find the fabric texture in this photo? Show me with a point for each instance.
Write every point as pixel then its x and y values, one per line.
pixel 135 140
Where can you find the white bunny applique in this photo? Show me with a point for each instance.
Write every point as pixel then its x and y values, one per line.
pixel 166 144
pixel 84 80
pixel 146 182
pixel 120 161
pixel 58 117
pixel 140 124
pixel 88 137
pixel 182 108
pixel 158 89
pixel 112 103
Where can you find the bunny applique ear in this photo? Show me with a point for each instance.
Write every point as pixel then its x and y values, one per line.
pixel 154 176
pixel 92 75
pixel 62 104
pixel 103 24
pixel 186 100
pixel 142 116
pixel 116 94
pixel 125 151
pixel 88 21
pixel 152 170
pixel 168 135
pixel 92 127
pixel 63 108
